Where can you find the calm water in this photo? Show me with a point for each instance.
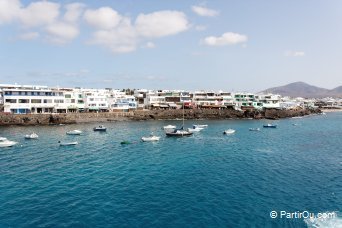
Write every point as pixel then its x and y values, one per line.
pixel 206 180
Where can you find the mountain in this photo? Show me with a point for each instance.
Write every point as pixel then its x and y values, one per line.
pixel 302 89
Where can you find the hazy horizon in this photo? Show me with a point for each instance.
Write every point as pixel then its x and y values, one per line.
pixel 192 45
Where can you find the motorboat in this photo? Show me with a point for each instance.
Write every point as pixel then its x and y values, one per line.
pixel 229 131
pixel 195 129
pixel 67 143
pixel 100 128
pixel 179 133
pixel 270 126
pixel 169 127
pixel 4 142
pixel 200 125
pixel 32 136
pixel 254 129
pixel 74 132
pixel 150 138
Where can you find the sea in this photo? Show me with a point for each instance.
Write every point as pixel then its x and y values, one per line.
pixel 290 176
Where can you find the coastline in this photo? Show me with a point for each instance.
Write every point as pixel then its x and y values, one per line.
pixel 332 110
pixel 142 115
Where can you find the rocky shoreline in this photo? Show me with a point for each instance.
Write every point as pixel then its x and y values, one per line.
pixel 139 115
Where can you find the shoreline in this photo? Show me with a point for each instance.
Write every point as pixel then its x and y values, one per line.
pixel 332 110
pixel 143 115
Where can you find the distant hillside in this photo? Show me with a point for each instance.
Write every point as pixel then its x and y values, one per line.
pixel 301 89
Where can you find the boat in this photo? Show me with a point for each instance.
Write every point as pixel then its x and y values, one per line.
pixel 200 125
pixel 254 129
pixel 67 143
pixel 195 129
pixel 74 132
pixel 169 127
pixel 179 132
pixel 100 128
pixel 31 136
pixel 229 131
pixel 270 126
pixel 4 142
pixel 150 138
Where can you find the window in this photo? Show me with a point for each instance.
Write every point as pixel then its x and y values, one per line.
pixel 67 95
pixel 11 101
pixel 24 101
pixel 47 101
pixel 36 101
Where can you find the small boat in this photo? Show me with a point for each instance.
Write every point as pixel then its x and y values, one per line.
pixel 200 125
pixel 67 143
pixel 168 127
pixel 294 124
pixel 74 132
pixel 31 136
pixel 179 133
pixel 151 138
pixel 254 129
pixel 270 126
pixel 4 142
pixel 229 131
pixel 195 129
pixel 100 128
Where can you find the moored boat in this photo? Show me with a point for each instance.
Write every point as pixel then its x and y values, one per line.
pixel 195 129
pixel 32 136
pixel 150 138
pixel 67 143
pixel 169 127
pixel 4 142
pixel 254 129
pixel 229 131
pixel 200 125
pixel 179 133
pixel 74 132
pixel 270 126
pixel 100 128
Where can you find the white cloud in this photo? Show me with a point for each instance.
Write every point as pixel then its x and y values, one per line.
pixel 61 32
pixel 228 38
pixel 125 37
pixel 150 45
pixel 102 18
pixel 161 23
pixel 295 53
pixel 204 12
pixel 39 13
pixel 73 12
pixel 9 10
pixel 29 36
pixel 60 24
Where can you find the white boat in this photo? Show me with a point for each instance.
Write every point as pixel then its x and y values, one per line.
pixel 270 125
pixel 195 129
pixel 150 138
pixel 229 131
pixel 4 142
pixel 254 129
pixel 200 125
pixel 179 133
pixel 100 128
pixel 74 132
pixel 169 127
pixel 31 136
pixel 67 143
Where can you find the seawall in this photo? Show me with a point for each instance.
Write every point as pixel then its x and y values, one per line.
pixel 74 118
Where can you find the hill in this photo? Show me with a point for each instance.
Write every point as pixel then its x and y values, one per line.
pixel 302 89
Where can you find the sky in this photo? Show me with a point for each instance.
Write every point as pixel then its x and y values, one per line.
pixel 225 45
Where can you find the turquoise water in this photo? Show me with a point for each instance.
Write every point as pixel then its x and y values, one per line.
pixel 206 180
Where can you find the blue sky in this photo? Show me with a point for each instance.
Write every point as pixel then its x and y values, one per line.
pixel 228 45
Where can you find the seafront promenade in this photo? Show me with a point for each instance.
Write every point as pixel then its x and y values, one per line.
pixel 74 118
